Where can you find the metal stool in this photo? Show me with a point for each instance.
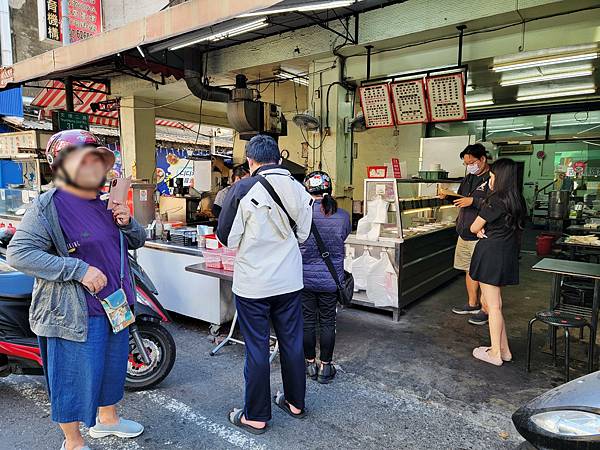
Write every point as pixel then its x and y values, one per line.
pixel 557 319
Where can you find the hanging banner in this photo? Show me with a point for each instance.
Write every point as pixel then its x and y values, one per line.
pixel 117 170
pixel 85 19
pixel 172 163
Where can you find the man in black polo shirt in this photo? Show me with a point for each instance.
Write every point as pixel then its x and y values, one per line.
pixel 474 190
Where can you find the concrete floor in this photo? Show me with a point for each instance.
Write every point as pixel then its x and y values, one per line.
pixel 412 384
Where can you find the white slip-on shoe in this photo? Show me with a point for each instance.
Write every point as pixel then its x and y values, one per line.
pixel 124 429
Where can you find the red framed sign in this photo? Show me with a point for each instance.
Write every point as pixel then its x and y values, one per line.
pixel 446 98
pixel 85 19
pixel 376 105
pixel 410 101
pixel 376 171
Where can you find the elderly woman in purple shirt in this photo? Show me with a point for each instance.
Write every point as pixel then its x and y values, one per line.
pixel 76 248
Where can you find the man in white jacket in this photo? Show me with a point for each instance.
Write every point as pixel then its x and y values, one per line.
pixel 265 217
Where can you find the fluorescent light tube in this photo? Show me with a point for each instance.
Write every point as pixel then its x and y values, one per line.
pixel 302 8
pixel 235 31
pixel 556 93
pixel 477 103
pixel 549 77
pixel 515 128
pixel 515 65
pixel 292 77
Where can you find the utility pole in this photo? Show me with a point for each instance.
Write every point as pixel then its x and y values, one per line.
pixel 64 22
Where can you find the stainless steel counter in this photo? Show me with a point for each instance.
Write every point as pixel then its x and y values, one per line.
pixel 166 246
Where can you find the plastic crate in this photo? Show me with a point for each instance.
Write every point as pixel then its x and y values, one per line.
pixel 212 259
pixel 228 262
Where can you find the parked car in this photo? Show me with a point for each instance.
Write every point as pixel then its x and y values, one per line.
pixel 566 417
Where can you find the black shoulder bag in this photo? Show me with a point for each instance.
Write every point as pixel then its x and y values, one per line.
pixel 345 289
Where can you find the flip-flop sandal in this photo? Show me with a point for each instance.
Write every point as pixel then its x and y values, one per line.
pixel 235 417
pixel 279 400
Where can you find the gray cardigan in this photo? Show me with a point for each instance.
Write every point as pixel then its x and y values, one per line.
pixel 38 248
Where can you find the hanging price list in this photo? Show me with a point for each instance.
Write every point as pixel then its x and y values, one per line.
pixel 446 98
pixel 376 106
pixel 409 102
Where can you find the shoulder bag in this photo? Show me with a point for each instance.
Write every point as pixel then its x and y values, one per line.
pixel 115 305
pixel 346 288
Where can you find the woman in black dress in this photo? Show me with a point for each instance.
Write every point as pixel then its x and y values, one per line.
pixel 495 261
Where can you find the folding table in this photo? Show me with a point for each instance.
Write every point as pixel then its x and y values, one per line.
pixel 226 278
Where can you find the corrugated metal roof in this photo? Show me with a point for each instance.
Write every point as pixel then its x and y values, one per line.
pixel 11 102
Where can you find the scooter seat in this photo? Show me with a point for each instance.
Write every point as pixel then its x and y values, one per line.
pixel 15 286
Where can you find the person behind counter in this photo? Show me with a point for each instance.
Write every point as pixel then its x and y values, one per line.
pixel 237 174
pixel 474 189
pixel 495 261
pixel 267 279
pixel 75 248
pixel 319 296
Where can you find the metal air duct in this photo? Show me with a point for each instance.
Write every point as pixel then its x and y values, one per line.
pixel 194 78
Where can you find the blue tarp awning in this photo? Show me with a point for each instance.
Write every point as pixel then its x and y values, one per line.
pixel 11 102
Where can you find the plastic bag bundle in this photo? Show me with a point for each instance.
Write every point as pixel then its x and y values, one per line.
pixel 382 282
pixel 348 260
pixel 360 270
pixel 369 227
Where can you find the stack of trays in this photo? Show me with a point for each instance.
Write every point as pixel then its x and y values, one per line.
pixel 184 236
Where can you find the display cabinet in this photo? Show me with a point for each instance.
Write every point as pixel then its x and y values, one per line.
pixel 15 198
pixel 409 221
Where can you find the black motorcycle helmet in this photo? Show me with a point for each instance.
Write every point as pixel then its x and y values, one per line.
pixel 318 183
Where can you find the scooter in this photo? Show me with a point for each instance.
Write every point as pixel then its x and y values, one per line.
pixel 152 349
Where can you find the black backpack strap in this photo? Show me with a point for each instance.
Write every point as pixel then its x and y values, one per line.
pixel 269 187
pixel 325 255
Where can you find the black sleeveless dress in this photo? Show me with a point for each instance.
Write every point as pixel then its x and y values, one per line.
pixel 496 258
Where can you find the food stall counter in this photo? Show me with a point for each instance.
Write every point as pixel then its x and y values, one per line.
pixel 408 224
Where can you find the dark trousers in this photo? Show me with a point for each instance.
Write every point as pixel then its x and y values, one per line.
pixel 319 308
pixel 285 312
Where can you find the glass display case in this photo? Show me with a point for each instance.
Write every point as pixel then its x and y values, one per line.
pixel 408 220
pixel 35 173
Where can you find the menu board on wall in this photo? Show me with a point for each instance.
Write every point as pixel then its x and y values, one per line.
pixel 410 104
pixel 446 98
pixel 376 105
pixel 10 143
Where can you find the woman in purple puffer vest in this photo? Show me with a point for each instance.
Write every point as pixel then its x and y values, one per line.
pixel 319 296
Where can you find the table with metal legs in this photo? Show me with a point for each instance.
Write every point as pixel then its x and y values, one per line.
pixel 226 278
pixel 559 268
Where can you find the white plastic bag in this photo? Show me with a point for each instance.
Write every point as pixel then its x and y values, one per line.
pixel 348 259
pixel 378 209
pixel 360 270
pixel 363 228
pixel 382 283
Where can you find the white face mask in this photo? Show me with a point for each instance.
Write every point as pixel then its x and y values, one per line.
pixel 473 169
